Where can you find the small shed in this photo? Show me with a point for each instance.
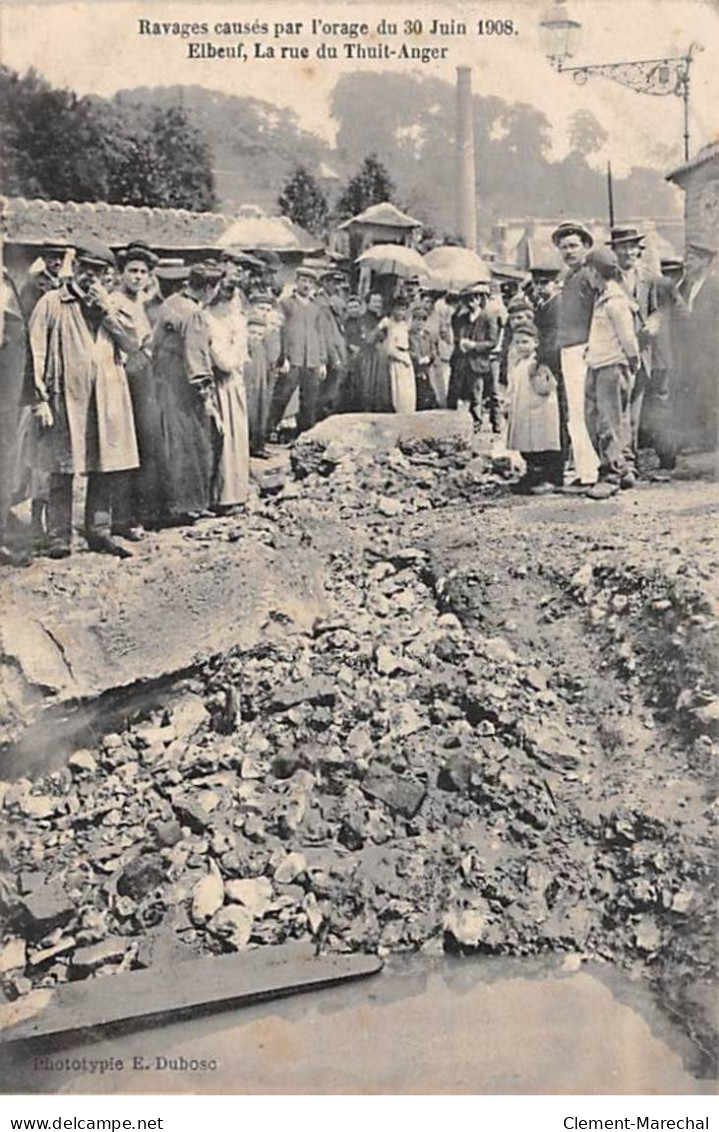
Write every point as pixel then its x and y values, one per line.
pixel 382 223
pixel 699 178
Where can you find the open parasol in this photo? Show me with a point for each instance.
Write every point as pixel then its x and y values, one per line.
pixel 453 268
pixel 393 259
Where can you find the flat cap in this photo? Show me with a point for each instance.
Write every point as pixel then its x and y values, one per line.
pixel 91 250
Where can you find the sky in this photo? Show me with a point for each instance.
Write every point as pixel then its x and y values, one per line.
pixel 95 47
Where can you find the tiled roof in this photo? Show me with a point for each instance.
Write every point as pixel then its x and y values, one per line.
pixel 708 153
pixel 172 229
pixel 34 221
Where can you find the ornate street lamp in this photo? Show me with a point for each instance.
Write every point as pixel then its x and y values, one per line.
pixel 560 33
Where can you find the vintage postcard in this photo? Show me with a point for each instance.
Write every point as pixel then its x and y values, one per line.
pixel 358 579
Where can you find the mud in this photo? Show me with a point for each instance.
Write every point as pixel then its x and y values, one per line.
pixel 499 739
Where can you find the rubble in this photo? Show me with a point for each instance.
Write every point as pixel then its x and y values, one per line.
pixel 453 752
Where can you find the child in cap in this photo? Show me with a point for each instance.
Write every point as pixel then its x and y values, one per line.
pixel 533 415
pixel 613 361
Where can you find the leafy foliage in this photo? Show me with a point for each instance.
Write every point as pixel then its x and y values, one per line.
pixel 304 202
pixel 58 146
pixel 372 184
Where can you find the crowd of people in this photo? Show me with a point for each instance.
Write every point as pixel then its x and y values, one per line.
pixel 158 386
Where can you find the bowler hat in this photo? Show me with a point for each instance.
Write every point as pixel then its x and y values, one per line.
pixel 626 235
pixel 572 228
pixel 91 250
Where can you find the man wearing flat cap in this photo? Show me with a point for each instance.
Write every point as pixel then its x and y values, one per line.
pixel 576 305
pixel 78 336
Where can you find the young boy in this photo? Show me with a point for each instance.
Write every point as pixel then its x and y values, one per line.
pixel 613 361
pixel 533 415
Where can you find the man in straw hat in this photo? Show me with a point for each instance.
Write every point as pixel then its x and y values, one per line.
pixel 574 241
pixel 78 335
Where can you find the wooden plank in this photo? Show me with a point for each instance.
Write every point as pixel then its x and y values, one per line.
pixel 177 990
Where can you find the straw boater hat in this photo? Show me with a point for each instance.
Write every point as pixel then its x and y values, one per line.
pixel 626 236
pixel 572 228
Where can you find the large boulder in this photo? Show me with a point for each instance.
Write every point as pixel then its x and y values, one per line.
pixel 366 434
pixel 88 638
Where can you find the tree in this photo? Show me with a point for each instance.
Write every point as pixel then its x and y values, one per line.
pixel 370 185
pixel 586 134
pixel 304 202
pixel 58 146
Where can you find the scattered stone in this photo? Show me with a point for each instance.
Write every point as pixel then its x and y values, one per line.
pixel 291 867
pixel 45 908
pixel 389 507
pixel 86 960
pixel 456 774
pixel 45 955
pixel 167 833
pixel 188 715
pixel 497 649
pixel 141 876
pixel 254 893
pixel 155 737
pixel 38 806
pixel 233 924
pixel 549 744
pixel 13 956
pixel 192 813
pixel 208 895
pixel 315 690
pixel 401 795
pixel 82 762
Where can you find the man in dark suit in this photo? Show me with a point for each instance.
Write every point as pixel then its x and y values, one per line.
pixel 476 336
pixel 698 345
pixel 52 255
pixel 303 362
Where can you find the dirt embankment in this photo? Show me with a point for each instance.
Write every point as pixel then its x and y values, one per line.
pixel 500 739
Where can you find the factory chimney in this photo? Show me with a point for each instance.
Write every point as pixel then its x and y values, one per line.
pixel 466 204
